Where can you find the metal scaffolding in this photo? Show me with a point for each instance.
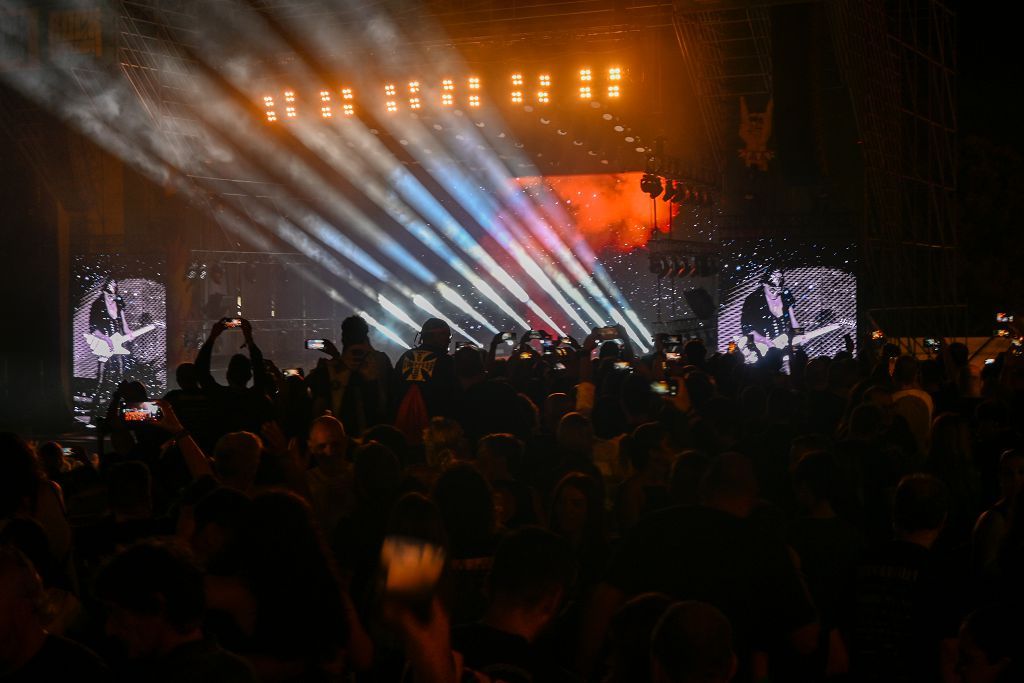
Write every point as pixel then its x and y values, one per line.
pixel 898 58
pixel 727 54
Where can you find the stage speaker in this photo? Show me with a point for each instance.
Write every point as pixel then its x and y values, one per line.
pixel 700 303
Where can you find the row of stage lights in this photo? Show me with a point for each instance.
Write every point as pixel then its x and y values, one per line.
pixel 587 91
pixel 674 266
pixel 675 191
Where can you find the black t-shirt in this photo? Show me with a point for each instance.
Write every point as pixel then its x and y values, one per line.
pixel 697 553
pixel 757 315
pixel 504 656
pixel 101 320
pixel 60 659
pixel 433 371
pixel 906 604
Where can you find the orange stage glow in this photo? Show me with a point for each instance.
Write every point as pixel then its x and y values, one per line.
pixel 609 209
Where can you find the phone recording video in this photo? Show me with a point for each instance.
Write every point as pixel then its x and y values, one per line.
pixel 465 345
pixel 232 323
pixel 293 372
pixel 146 411
pixel 733 347
pixel 1004 318
pixel 533 335
pixel 558 366
pixel 316 344
pixel 931 344
pixel 668 388
pixel 623 365
pixel 607 333
pixel 672 355
pixel 877 335
pixel 508 336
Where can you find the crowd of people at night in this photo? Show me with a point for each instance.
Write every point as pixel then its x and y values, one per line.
pixel 542 510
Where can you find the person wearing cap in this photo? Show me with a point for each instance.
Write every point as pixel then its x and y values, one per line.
pixel 425 381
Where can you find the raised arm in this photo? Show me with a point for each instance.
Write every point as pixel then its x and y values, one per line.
pixel 202 363
pixel 195 460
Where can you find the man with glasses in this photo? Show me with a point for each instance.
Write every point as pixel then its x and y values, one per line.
pixel 107 323
pixel 768 311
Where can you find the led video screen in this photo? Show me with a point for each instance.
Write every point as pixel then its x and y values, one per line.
pixel 118 329
pixel 774 288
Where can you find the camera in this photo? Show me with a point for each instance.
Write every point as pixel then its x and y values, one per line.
pixel 316 344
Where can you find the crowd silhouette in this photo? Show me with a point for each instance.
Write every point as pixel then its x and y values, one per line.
pixel 543 509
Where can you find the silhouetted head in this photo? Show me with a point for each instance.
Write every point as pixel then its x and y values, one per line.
pixel 239 370
pixel 187 377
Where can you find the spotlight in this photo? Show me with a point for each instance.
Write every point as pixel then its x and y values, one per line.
pixel 542 96
pixel 474 100
pixel 517 97
pixel 615 74
pixel 585 92
pixel 517 79
pixel 346 93
pixel 585 75
pixel 682 267
pixel 613 91
pixel 651 184
pixel 446 99
pixel 448 85
pixel 268 104
pixel 545 81
pixel 671 191
pixel 414 103
pixel 348 109
pixel 389 90
pixel 202 271
pixel 474 83
pixel 414 87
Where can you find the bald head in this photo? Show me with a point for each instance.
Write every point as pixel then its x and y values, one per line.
pixel 327 439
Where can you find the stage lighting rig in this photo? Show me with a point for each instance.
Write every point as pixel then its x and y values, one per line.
pixel 651 184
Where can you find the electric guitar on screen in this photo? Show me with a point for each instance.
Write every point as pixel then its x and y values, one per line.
pixel 753 350
pixel 105 351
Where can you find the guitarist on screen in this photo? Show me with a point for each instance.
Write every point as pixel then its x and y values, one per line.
pixel 106 319
pixel 768 311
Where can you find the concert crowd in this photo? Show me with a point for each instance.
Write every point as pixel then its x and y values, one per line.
pixel 540 510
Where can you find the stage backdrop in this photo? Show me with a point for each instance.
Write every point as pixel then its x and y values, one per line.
pixel 141 297
pixel 819 279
